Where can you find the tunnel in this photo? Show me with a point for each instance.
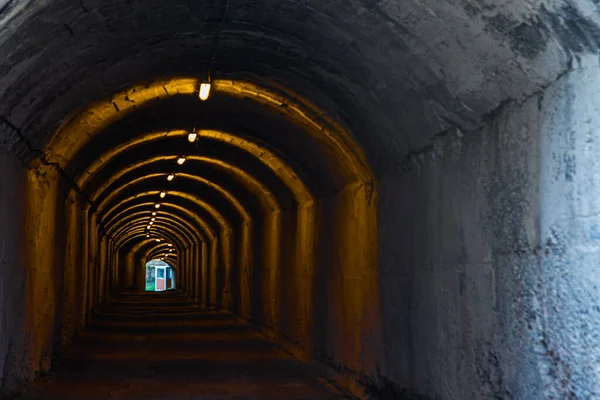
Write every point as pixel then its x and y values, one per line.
pixel 355 199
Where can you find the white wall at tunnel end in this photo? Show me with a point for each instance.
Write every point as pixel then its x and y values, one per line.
pixel 490 254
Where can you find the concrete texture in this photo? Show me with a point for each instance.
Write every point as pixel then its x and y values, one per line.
pixel 402 194
pixel 159 346
pixel 13 350
pixel 487 276
pixel 567 297
pixel 405 70
pixel 458 235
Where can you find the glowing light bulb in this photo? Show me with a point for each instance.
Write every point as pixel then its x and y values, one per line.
pixel 152 219
pixel 148 227
pixel 204 91
pixel 170 177
pixel 163 194
pixel 192 137
pixel 180 160
pixel 170 250
pixel 169 244
pixel 158 240
pixel 157 205
pixel 153 212
pixel 147 235
pixel 151 222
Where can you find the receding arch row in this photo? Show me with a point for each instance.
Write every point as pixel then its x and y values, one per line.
pixel 140 243
pixel 227 195
pixel 145 243
pixel 266 198
pixel 130 268
pixel 140 246
pixel 169 208
pixel 284 172
pixel 135 217
pixel 164 247
pixel 188 234
pixel 141 216
pixel 213 212
pixel 165 231
pixel 139 234
pixel 126 266
pixel 331 136
pixel 306 214
pixel 156 253
pixel 223 253
pixel 188 237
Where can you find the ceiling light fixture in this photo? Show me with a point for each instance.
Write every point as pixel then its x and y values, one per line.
pixel 192 136
pixel 169 244
pixel 163 194
pixel 153 212
pixel 180 160
pixel 158 240
pixel 149 226
pixel 157 205
pixel 204 92
pixel 170 177
pixel 152 219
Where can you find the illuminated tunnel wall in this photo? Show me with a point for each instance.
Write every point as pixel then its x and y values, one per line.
pixel 273 220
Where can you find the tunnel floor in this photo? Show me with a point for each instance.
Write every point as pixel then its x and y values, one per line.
pixel 161 346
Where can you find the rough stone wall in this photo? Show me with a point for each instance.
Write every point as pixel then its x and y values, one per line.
pixel 567 322
pixel 489 254
pixel 267 272
pixel 45 260
pixel 346 303
pixel 13 344
pixel 73 265
pixel 244 271
pixel 31 272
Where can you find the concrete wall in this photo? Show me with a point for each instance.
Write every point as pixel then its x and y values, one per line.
pixel 567 292
pixel 489 254
pixel 316 283
pixel 13 345
pixel 73 266
pixel 244 271
pixel 31 272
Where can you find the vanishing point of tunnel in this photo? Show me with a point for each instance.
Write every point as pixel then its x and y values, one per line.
pixel 300 199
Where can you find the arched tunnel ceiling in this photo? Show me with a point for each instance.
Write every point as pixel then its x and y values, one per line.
pixel 395 72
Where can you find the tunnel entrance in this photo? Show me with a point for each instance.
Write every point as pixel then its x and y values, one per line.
pixel 160 276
